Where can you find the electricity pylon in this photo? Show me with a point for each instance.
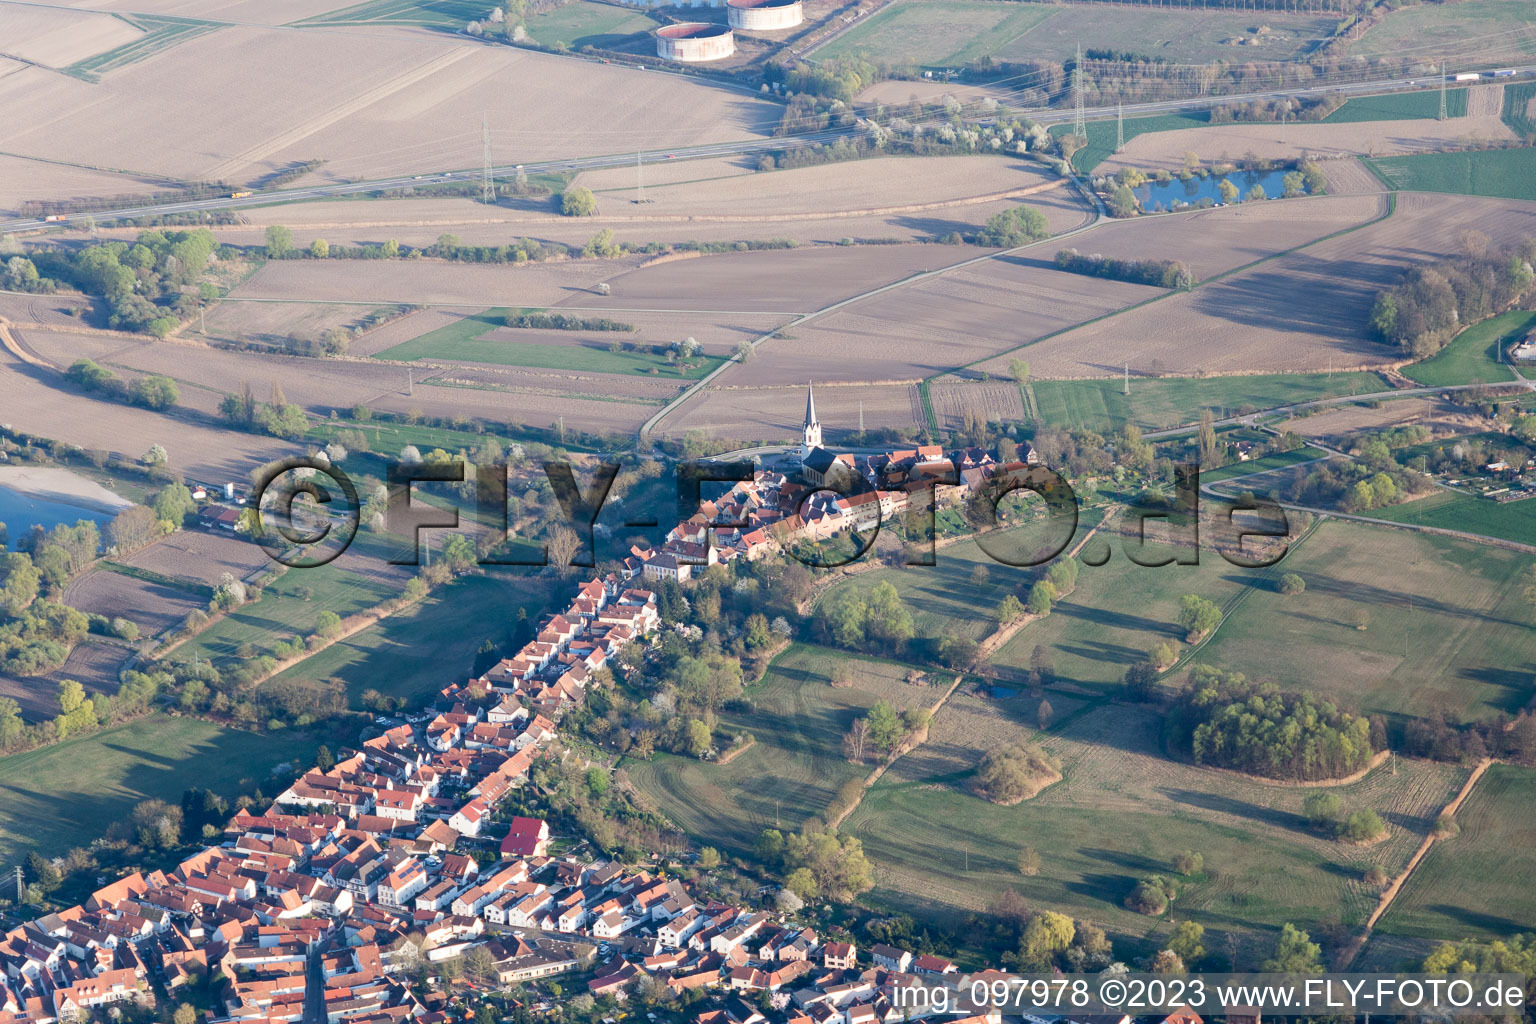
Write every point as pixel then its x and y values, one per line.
pixel 1442 89
pixel 487 183
pixel 1079 124
pixel 1119 127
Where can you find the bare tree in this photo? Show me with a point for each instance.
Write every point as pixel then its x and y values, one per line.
pixel 856 741
pixel 562 546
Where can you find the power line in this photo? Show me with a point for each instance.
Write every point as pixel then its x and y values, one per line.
pixel 1079 125
pixel 487 181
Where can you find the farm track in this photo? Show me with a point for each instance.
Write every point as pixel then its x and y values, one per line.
pixel 880 770
pixel 1350 952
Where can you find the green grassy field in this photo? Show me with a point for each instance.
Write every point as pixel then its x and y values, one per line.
pixel 587 24
pixel 1269 463
pixel 1501 173
pixel 1474 354
pixel 1160 403
pixel 1448 629
pixel 66 794
pixel 161 33
pixel 1514 520
pixel 951 33
pixel 796 767
pixel 1102 134
pixel 466 340
pixel 454 14
pixel 1477 885
pixel 1120 610
pixel 1400 106
pixel 417 651
pixel 1517 100
pixel 942 597
pixel 937 32
pixel 1123 810
pixel 284 612
pixel 1484 32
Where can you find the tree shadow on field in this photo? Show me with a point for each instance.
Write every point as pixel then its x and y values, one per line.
pixel 1259 300
pixel 1097 650
pixel 1238 808
pixel 1129 861
pixel 1516 683
pixel 1478 919
pixel 936 227
pixel 1112 889
pixel 1118 620
pixel 1364 593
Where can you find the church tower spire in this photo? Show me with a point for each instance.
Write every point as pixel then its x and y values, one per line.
pixel 812 436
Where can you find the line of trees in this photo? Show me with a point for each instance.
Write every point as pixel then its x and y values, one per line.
pixel 1158 273
pixel 153 391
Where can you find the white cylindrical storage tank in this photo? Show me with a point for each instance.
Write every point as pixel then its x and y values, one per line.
pixel 695 41
pixel 765 15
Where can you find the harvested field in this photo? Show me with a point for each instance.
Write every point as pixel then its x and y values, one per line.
pixel 258 12
pixel 419 222
pixel 94 665
pixel 769 280
pixel 22 180
pixel 58 37
pixel 274 322
pixel 887 183
pixel 202 555
pixel 587 109
pixel 774 414
pixel 36 402
pixel 1440 416
pixel 153 607
pixel 321 385
pixel 990 401
pixel 428 282
pixel 939 323
pixel 1217 240
pixel 369 103
pixel 1124 810
pixel 1229 142
pixel 1304 311
pixel 667 172
pixel 1349 177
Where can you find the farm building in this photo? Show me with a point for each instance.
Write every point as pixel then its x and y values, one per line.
pixel 695 41
pixel 764 15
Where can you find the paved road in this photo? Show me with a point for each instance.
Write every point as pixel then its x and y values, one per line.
pixel 767 144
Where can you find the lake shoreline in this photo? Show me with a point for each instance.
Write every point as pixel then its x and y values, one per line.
pixel 52 484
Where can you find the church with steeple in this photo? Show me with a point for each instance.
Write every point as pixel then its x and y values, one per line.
pixel 812 438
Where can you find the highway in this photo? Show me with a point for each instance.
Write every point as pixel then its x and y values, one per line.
pixel 746 146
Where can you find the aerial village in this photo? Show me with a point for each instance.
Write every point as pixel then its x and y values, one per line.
pixel 327 904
